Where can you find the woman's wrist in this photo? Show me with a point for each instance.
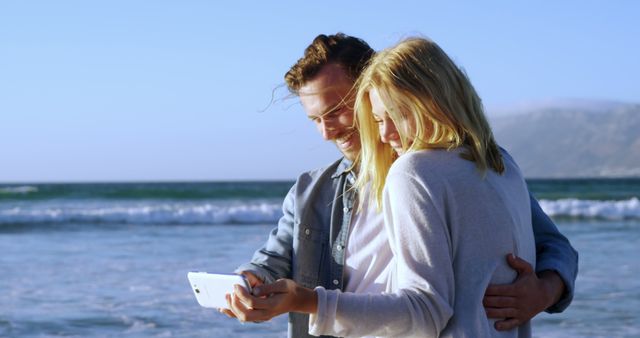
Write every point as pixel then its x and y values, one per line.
pixel 309 300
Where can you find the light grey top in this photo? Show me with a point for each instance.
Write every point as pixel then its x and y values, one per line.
pixel 449 230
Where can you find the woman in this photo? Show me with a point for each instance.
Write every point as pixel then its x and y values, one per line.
pixel 454 205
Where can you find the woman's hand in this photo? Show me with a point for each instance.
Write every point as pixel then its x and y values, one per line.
pixel 270 300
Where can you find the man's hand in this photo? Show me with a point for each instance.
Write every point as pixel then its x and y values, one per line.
pixel 270 300
pixel 527 296
pixel 254 282
pixel 252 279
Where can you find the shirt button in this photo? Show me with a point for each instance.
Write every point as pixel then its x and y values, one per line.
pixel 307 232
pixel 336 282
pixel 345 209
pixel 339 247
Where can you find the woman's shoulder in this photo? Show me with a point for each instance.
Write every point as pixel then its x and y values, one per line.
pixel 511 167
pixel 430 169
pixel 428 160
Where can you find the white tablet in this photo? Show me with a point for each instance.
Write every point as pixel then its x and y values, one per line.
pixel 210 288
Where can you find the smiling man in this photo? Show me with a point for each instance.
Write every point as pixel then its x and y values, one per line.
pixel 321 240
pixel 325 100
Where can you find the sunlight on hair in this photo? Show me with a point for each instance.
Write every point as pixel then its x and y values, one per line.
pixel 417 81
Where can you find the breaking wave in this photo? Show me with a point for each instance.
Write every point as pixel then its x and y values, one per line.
pixel 141 213
pixel 576 208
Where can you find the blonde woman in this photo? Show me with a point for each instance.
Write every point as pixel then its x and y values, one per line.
pixel 454 205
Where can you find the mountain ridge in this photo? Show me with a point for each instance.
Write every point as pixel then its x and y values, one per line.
pixel 571 141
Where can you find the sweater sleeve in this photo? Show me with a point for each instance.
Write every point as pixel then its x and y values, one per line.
pixel 554 252
pixel 417 307
pixel 273 260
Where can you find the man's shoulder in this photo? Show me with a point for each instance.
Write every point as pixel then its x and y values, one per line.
pixel 323 173
pixel 312 184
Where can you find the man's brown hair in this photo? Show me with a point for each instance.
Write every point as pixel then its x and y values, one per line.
pixel 347 51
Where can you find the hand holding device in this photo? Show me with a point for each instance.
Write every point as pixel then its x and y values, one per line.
pixel 210 289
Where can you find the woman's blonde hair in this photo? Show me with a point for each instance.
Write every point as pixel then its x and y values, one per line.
pixel 418 82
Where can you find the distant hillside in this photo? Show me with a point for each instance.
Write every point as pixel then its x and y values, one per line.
pixel 581 140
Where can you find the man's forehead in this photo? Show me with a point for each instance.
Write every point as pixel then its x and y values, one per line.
pixel 325 88
pixel 318 104
pixel 330 89
pixel 331 77
pixel 326 94
pixel 329 108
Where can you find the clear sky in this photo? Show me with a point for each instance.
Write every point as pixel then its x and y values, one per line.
pixel 181 90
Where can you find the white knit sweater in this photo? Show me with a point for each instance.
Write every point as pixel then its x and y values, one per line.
pixel 449 230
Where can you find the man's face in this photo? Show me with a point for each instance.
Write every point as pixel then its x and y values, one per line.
pixel 328 101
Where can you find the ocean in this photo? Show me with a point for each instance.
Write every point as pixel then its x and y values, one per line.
pixel 110 260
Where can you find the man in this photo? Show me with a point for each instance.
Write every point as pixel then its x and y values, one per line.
pixel 310 244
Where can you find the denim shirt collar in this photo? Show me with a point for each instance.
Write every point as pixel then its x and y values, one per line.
pixel 344 168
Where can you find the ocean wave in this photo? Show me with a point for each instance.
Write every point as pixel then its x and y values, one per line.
pixel 188 191
pixel 576 208
pixel 25 189
pixel 141 213
pixel 243 212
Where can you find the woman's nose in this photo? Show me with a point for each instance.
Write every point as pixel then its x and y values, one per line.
pixel 388 131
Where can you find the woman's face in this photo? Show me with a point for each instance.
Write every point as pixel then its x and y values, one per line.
pixel 388 132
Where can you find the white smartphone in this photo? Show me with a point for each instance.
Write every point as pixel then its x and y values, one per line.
pixel 210 288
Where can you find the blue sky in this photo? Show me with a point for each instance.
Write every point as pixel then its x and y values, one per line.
pixel 181 90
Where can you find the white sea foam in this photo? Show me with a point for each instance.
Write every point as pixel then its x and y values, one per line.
pixel 614 210
pixel 142 213
pixel 25 189
pixel 241 212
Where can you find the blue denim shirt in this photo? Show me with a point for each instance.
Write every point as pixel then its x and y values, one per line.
pixel 308 243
